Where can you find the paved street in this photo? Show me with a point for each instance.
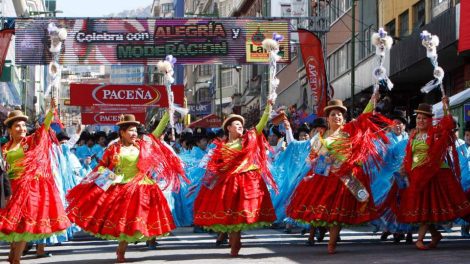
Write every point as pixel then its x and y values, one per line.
pixel 259 246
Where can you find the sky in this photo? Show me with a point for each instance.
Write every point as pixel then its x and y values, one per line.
pixel 97 8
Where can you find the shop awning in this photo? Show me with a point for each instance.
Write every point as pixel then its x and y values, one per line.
pixel 208 121
pixel 455 99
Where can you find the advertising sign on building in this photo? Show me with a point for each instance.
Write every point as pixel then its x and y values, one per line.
pixel 113 94
pixel 146 41
pixel 200 109
pixel 257 32
pixel 107 118
pixel 113 109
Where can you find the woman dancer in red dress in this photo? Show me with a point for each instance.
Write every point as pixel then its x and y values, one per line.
pixel 234 196
pixel 337 190
pixel 121 199
pixel 35 209
pixel 434 193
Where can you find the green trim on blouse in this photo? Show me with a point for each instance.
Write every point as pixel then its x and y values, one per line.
pixel 264 119
pixel 48 119
pixel 161 125
pixel 14 157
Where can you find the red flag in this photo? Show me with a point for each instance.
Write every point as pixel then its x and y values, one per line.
pixel 312 55
pixel 5 37
pixel 464 32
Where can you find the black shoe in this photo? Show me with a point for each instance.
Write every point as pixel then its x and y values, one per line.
pixel 310 243
pixel 221 240
pixel 321 234
pixel 409 238
pixel 303 232
pixel 44 255
pixel 398 237
pixel 384 236
pixel 27 248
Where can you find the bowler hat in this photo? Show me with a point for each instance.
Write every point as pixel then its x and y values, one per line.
pixel 127 119
pixel 335 104
pixel 319 122
pixel 304 128
pixel 14 116
pixel 62 135
pixel 230 119
pixel 399 115
pixel 425 109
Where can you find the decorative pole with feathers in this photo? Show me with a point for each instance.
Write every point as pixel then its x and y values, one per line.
pixel 382 43
pixel 57 36
pixel 166 68
pixel 430 42
pixel 272 46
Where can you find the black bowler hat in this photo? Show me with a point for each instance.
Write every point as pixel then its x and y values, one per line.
pixel 467 126
pixel 304 128
pixel 399 115
pixel 319 122
pixel 62 135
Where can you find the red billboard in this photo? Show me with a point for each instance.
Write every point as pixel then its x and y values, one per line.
pixel 107 118
pixel 114 94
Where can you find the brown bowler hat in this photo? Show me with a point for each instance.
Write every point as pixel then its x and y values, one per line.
pixel 127 119
pixel 230 118
pixel 14 116
pixel 335 104
pixel 425 109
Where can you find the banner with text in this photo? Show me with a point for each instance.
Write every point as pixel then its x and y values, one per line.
pixel 200 109
pixel 113 109
pixel 146 41
pixel 312 55
pixel 107 118
pixel 113 94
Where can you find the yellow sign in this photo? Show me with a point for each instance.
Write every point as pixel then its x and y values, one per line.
pixel 257 32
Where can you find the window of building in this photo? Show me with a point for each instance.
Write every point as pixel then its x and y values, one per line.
pixel 390 28
pixel 203 95
pixel 404 25
pixel 227 78
pixel 205 70
pixel 368 47
pixel 50 5
pixel 419 15
pixel 167 8
pixel 338 8
pixel 439 6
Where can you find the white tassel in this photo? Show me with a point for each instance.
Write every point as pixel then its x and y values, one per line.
pixel 183 111
pixel 270 45
pixel 431 85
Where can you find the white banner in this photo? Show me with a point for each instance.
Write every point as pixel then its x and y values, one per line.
pixel 299 8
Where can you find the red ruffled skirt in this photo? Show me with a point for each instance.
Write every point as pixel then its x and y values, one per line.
pixel 442 199
pixel 35 211
pixel 126 212
pixel 325 200
pixel 241 200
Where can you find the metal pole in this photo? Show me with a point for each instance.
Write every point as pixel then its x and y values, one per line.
pixel 353 55
pixel 220 88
